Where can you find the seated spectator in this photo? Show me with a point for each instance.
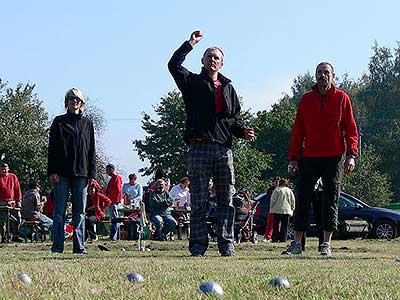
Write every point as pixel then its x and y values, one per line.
pixel 159 210
pixel 181 194
pixel 96 206
pixel 132 192
pixel 48 205
pixel 32 206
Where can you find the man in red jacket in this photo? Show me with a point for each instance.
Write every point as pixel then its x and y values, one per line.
pixel 324 130
pixel 114 193
pixel 10 196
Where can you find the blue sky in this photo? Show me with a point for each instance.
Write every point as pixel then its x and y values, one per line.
pixel 117 52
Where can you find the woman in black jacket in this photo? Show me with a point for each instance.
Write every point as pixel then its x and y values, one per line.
pixel 71 166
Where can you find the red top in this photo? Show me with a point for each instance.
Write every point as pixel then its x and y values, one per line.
pixel 322 125
pixel 9 188
pixel 219 99
pixel 114 189
pixel 100 204
pixel 48 207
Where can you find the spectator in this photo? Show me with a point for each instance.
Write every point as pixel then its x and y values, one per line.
pixel 270 216
pixel 32 206
pixel 114 193
pixel 10 196
pixel 132 191
pixel 97 204
pixel 159 211
pixel 71 167
pixel 48 205
pixel 282 206
pixel 181 194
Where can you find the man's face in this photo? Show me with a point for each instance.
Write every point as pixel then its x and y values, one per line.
pixel 133 180
pixel 4 170
pixel 324 75
pixel 161 186
pixel 213 60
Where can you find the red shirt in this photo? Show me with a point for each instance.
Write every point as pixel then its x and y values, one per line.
pixel 114 189
pixel 219 99
pixel 100 204
pixel 9 188
pixel 322 125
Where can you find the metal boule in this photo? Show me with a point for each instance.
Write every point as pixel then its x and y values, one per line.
pixel 135 277
pixel 211 288
pixel 25 278
pixel 281 282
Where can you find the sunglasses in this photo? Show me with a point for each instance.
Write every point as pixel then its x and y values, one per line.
pixel 74 99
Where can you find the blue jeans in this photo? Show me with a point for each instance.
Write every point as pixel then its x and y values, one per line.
pixel 78 187
pixel 47 223
pixel 114 226
pixel 163 224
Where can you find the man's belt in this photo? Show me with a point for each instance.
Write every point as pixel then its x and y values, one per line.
pixel 203 140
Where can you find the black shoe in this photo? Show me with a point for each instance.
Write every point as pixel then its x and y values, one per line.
pixel 103 248
pixel 196 254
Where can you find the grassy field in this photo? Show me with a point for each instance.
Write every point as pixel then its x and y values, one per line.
pixel 359 269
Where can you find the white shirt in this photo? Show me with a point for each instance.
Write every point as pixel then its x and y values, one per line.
pixel 182 196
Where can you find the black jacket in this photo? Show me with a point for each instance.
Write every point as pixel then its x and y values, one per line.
pixel 72 147
pixel 198 94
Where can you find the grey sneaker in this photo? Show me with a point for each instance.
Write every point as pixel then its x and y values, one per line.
pixel 325 249
pixel 294 248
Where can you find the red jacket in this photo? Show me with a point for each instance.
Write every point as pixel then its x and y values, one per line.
pixel 322 124
pixel 10 188
pixel 114 189
pixel 99 202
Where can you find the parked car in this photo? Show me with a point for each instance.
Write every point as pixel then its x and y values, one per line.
pixel 384 223
pixel 357 218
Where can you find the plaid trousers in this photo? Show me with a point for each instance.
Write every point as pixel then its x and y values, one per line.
pixel 211 161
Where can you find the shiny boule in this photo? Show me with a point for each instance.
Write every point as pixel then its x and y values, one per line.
pixel 135 277
pixel 281 282
pixel 211 288
pixel 25 278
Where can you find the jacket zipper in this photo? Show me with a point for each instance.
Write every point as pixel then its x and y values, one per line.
pixel 322 102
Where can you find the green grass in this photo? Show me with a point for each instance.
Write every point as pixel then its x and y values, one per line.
pixel 358 269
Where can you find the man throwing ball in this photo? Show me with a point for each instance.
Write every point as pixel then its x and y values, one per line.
pixel 212 119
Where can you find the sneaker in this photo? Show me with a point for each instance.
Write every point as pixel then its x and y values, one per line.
pixel 325 249
pixel 266 240
pixel 294 248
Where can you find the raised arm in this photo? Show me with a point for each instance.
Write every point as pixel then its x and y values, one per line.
pixel 180 74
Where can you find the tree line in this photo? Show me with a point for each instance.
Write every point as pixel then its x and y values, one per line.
pixel 375 97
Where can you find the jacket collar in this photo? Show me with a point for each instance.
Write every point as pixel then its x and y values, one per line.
pixel 224 80
pixel 330 92
pixel 71 115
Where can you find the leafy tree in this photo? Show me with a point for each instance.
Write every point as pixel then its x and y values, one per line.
pixel 366 182
pixel 250 164
pixel 163 146
pixel 96 115
pixel 378 98
pixel 24 130
pixel 273 134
